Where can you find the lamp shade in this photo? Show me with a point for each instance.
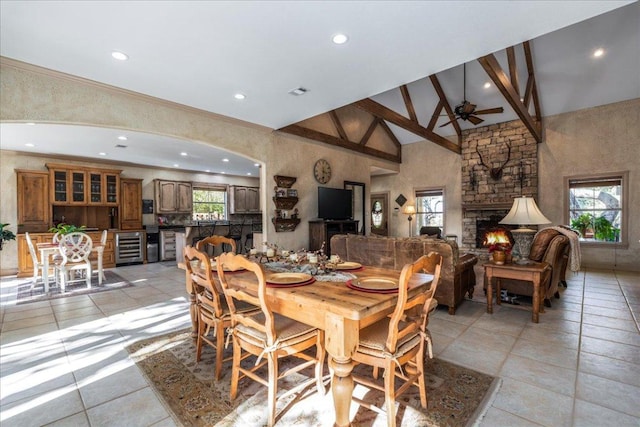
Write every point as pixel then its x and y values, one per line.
pixel 409 209
pixel 524 212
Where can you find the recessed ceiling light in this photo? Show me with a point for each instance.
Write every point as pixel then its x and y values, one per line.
pixel 298 91
pixel 28 144
pixel 183 154
pixel 223 173
pixel 30 124
pixel 175 165
pixel 598 53
pixel 102 153
pixel 487 85
pixel 256 165
pixel 122 138
pixel 239 96
pixel 119 55
pixel 208 170
pixel 340 39
pixel 248 173
pixel 225 160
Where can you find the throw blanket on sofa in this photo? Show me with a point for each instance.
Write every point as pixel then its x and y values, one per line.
pixel 575 254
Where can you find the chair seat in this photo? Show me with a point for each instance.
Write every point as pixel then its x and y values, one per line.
pixel 373 340
pixel 288 331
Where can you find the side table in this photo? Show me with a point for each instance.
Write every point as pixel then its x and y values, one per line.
pixel 533 272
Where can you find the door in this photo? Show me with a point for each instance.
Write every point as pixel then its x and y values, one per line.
pixel 380 214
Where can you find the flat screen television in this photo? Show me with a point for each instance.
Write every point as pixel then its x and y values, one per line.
pixel 334 203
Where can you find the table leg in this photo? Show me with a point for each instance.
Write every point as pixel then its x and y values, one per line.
pixel 536 298
pixel 498 291
pixel 342 389
pixel 341 340
pixel 489 291
pixel 45 271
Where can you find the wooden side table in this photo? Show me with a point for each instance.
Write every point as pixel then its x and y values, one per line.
pixel 533 273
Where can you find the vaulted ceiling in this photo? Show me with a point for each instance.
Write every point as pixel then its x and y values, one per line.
pixel 396 81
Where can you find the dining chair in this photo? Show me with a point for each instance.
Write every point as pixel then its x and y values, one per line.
pixel 266 335
pixel 396 343
pixel 212 310
pixel 214 241
pixel 38 267
pixel 235 232
pixel 75 249
pixel 99 260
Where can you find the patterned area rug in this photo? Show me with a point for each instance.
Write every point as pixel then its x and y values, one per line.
pixel 26 294
pixel 457 396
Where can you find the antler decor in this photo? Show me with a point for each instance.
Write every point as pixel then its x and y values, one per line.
pixel 495 173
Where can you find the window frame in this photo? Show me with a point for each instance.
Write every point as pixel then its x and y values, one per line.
pixel 623 176
pixel 223 188
pixel 419 213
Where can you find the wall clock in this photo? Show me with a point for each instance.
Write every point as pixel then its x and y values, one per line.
pixel 322 171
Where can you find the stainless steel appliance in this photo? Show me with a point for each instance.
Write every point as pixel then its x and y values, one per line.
pixel 129 248
pixel 153 241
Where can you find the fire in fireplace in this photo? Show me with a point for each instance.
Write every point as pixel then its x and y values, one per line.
pixel 489 230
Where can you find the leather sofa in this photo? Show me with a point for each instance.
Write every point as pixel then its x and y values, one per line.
pixel 457 276
pixel 548 246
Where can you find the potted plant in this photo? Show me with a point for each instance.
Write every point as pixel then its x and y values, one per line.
pixel 499 252
pixel 63 228
pixel 5 234
pixel 604 230
pixel 583 223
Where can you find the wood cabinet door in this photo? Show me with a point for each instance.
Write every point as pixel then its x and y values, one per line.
pixel 252 200
pixel 131 204
pixel 184 197
pixel 34 210
pixel 166 196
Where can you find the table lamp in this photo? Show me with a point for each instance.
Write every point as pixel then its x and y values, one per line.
pixel 410 210
pixel 524 212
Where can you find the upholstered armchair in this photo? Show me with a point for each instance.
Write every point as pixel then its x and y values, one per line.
pixel 548 246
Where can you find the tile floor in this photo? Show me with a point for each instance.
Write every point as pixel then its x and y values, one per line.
pixel 63 362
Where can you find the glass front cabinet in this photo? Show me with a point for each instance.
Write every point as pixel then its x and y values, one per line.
pixel 80 186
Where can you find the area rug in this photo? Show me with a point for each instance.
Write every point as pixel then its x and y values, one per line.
pixel 457 396
pixel 111 281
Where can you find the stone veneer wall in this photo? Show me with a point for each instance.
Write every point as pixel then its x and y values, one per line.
pixel 495 197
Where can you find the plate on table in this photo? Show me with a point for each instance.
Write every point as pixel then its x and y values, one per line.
pixel 288 278
pixel 381 285
pixel 348 265
pixel 214 267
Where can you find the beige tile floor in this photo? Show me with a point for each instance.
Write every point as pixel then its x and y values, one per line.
pixel 63 362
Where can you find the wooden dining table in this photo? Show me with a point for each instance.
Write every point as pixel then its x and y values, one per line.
pixel 341 312
pixel 48 249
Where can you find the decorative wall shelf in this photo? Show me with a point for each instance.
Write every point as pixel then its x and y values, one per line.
pixel 284 181
pixel 284 203
pixel 285 224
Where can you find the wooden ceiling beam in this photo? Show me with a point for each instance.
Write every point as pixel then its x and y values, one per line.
pixel 390 133
pixel 338 142
pixel 513 69
pixel 534 90
pixel 397 119
pixel 435 116
pixel 502 82
pixel 338 125
pixel 369 132
pixel 408 104
pixel 443 99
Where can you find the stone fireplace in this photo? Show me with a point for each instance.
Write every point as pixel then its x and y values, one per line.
pixel 499 163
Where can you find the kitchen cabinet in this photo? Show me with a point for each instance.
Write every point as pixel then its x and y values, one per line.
pixel 244 200
pixel 75 185
pixel 25 264
pixel 173 196
pixel 130 204
pixel 34 210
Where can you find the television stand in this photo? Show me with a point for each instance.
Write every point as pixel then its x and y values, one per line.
pixel 321 230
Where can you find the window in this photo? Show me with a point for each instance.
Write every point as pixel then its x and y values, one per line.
pixel 209 203
pixel 430 208
pixel 597 207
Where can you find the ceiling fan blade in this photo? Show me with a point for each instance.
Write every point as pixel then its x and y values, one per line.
pixel 490 111
pixel 475 120
pixel 468 107
pixel 449 122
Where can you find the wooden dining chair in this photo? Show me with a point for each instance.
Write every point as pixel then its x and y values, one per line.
pixel 214 241
pixel 38 266
pixel 212 311
pixel 75 249
pixel 397 342
pixel 267 336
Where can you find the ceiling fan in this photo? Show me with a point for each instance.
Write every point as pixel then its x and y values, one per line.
pixel 467 110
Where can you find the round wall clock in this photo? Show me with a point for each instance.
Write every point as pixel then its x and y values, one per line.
pixel 322 171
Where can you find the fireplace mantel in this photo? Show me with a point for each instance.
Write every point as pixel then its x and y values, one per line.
pixel 486 206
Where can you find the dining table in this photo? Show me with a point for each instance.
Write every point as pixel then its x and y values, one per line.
pixel 338 309
pixel 49 249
